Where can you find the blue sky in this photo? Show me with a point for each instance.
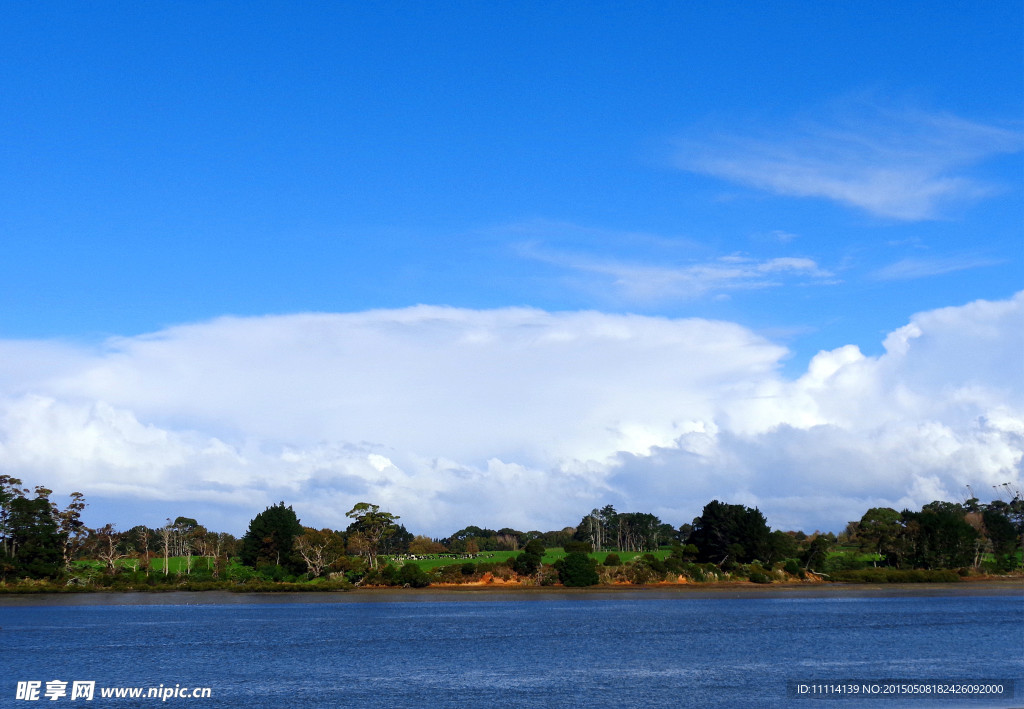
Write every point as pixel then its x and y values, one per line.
pixel 810 178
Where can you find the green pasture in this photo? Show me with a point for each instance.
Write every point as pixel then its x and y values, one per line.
pixel 856 551
pixel 497 557
pixel 175 564
pixel 872 558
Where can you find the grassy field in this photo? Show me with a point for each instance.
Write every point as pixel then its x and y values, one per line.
pixel 550 556
pixel 176 564
pixel 861 556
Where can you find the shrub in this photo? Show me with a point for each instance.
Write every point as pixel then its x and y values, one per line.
pixel 273 572
pixel 577 569
pixel 526 564
pixel 453 573
pixel 612 560
pixel 502 571
pixel 845 561
pixel 413 575
pixel 759 577
pixel 887 575
pixel 639 574
pixel 535 547
pixel 654 563
pixel 676 565
pixel 386 575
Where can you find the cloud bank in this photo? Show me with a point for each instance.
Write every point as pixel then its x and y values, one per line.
pixel 517 417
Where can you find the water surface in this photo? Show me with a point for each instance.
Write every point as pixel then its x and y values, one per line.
pixel 546 650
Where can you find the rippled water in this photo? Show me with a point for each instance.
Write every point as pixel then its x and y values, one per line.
pixel 555 652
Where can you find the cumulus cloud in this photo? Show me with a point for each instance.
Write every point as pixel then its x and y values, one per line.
pixel 901 164
pixel 518 417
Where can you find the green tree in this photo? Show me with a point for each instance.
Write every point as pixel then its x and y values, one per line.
pixel 270 539
pixel 815 554
pixel 34 538
pixel 940 537
pixel 426 545
pixel 624 531
pixel 413 575
pixel 597 527
pixel 10 490
pixel 108 546
pixel 526 564
pixel 730 532
pixel 373 526
pixel 535 547
pixel 577 569
pixel 70 527
pixel 880 531
pixel 1013 512
pixel 1002 536
pixel 319 549
pixel 781 546
pixel 397 542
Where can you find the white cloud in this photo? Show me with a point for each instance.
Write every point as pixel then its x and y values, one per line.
pixel 641 282
pixel 519 417
pixel 901 164
pixel 911 268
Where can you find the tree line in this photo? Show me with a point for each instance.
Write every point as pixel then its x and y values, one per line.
pixel 42 540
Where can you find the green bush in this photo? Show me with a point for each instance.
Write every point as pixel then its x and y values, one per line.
pixel 654 563
pixel 413 575
pixel 535 547
pixel 676 565
pixel 640 574
pixel 452 573
pixel 577 569
pixel 386 575
pixel 887 575
pixel 526 564
pixel 612 560
pixel 844 561
pixel 1001 563
pixel 759 577
pixel 274 572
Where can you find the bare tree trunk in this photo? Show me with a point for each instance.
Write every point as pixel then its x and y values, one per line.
pixel 165 538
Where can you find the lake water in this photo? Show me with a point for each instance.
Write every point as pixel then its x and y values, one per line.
pixel 553 650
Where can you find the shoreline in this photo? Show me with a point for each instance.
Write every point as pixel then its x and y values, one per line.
pixel 712 591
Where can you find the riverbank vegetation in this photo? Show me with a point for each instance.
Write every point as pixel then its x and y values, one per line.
pixel 46 547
